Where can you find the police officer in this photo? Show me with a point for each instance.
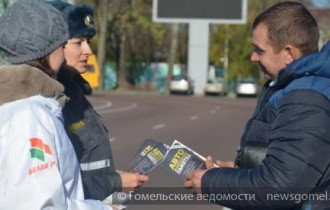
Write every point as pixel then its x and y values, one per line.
pixel 84 126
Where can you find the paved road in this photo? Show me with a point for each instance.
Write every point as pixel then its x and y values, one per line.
pixel 209 125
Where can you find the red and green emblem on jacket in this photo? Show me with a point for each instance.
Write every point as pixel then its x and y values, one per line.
pixel 38 149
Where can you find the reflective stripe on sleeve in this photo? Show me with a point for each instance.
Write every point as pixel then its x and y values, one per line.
pixel 95 165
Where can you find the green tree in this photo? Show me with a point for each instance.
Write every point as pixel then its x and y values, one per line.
pixel 239 41
pixel 133 41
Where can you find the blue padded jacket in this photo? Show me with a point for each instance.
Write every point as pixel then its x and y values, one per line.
pixel 293 117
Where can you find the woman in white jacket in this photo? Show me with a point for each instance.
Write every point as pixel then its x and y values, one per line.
pixel 38 166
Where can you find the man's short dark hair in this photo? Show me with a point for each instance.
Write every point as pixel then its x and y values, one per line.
pixel 290 23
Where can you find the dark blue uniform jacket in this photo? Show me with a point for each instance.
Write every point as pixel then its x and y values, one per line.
pixel 293 118
pixel 89 138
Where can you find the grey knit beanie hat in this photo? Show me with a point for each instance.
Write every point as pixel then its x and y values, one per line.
pixel 31 29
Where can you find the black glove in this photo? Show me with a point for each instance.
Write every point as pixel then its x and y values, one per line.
pixel 251 154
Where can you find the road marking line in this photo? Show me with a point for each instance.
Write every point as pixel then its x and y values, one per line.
pixel 112 139
pixel 134 105
pixel 159 126
pixel 106 105
pixel 193 117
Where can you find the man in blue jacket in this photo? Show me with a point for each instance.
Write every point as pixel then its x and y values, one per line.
pixel 292 118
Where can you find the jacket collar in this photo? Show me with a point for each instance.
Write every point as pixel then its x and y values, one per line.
pixel 314 64
pixel 23 81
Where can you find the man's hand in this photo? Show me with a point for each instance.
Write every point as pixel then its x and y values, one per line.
pixel 194 181
pixel 194 178
pixel 131 181
pixel 209 162
pixel 225 164
pixel 219 163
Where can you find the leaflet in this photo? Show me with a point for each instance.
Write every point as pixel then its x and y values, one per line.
pixel 149 155
pixel 181 160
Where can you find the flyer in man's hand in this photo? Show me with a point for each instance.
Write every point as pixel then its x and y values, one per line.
pixel 149 155
pixel 181 160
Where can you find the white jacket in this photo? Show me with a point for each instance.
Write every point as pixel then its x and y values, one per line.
pixel 38 166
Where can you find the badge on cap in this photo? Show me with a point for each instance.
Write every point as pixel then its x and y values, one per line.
pixel 89 21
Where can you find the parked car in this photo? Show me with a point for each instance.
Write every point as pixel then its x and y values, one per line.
pixel 215 86
pixel 247 87
pixel 181 84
